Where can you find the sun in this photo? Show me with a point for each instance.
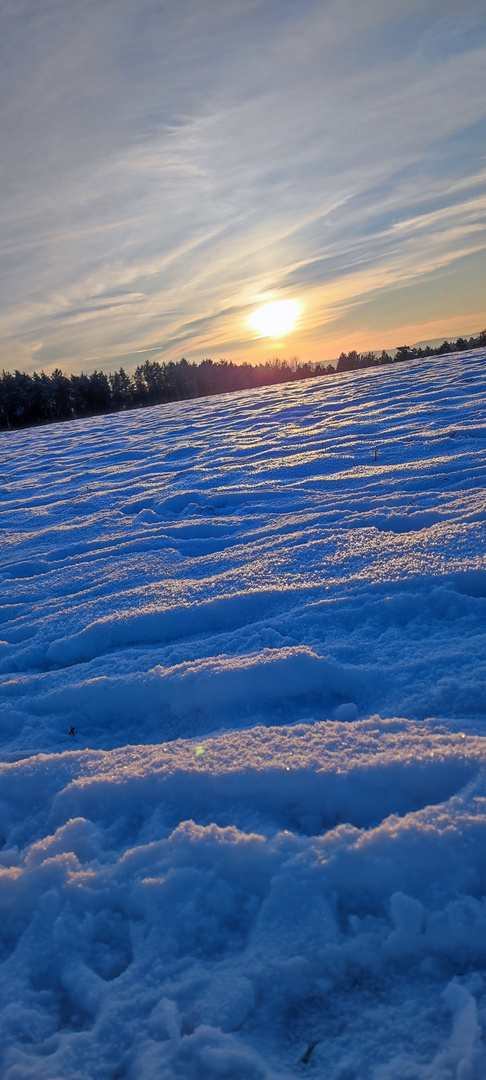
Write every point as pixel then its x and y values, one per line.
pixel 275 320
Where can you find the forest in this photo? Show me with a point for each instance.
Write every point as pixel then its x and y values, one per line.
pixel 27 399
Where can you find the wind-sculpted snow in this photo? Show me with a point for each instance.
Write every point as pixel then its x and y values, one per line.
pixel 242 864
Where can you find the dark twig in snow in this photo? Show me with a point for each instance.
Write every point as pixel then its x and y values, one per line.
pixel 310 1050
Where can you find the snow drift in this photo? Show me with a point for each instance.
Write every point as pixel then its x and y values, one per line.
pixel 261 854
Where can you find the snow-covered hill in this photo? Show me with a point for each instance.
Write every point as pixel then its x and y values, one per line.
pixel 262 853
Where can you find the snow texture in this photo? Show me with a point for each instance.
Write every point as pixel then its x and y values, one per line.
pixel 262 853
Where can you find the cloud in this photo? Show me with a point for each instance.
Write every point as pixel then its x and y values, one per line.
pixel 167 166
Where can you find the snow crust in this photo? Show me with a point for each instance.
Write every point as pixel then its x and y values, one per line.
pixel 263 852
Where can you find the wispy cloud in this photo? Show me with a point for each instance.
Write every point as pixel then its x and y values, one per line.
pixel 167 167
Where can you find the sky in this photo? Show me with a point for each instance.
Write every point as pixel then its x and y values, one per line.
pixel 170 166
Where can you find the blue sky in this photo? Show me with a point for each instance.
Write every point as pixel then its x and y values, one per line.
pixel 167 167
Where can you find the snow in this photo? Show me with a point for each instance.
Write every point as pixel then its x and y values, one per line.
pixel 262 854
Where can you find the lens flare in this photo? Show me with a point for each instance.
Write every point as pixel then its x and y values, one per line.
pixel 275 320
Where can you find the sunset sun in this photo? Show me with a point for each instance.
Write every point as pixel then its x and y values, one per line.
pixel 275 320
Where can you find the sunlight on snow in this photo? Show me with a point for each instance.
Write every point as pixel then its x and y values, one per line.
pixel 243 805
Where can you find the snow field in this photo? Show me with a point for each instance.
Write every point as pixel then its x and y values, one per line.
pixel 243 865
pixel 176 896
pixel 159 901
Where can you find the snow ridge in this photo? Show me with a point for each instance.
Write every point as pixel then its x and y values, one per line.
pixel 261 853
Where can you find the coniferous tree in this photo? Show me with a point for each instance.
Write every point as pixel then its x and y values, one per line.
pixel 40 398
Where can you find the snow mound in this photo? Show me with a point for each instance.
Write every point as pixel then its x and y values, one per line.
pixel 217 908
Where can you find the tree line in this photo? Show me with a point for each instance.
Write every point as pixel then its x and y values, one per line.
pixel 352 360
pixel 40 398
